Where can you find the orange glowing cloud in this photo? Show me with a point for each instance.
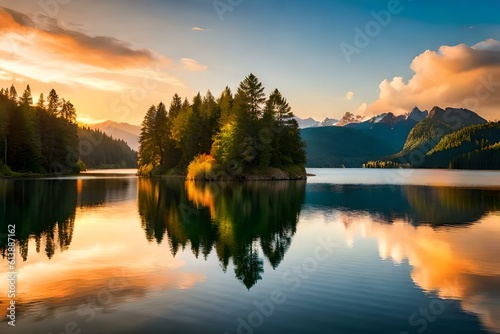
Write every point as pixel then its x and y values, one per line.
pixel 43 49
pixel 455 76
pixel 97 51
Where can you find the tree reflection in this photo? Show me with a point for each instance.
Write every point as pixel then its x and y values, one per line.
pixel 451 206
pixel 44 210
pixel 234 219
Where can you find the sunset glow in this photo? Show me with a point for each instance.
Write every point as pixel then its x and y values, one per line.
pixel 112 74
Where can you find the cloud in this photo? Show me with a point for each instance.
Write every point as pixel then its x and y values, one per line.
pixel 349 95
pixel 100 51
pixel 454 76
pixel 193 65
pixel 361 109
pixel 197 29
pixel 45 50
pixel 6 76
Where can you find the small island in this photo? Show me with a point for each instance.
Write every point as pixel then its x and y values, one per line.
pixel 244 136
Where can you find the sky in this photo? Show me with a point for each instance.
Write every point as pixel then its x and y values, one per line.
pixel 114 58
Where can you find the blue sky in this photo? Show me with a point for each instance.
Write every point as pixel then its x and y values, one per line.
pixel 290 45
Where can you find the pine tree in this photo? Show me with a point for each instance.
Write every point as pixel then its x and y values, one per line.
pixel 53 102
pixel 278 106
pixel 161 131
pixel 148 155
pixel 68 111
pixel 26 99
pixel 225 103
pixel 254 91
pixel 13 93
pixel 175 106
pixel 41 102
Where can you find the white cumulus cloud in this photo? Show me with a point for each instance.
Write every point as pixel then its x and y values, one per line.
pixel 454 76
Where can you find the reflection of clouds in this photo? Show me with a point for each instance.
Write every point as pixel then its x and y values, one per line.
pixel 102 288
pixel 457 263
pixel 98 270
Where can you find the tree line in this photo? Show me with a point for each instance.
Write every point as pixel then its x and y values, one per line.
pixel 99 151
pixel 485 158
pixel 39 138
pixel 228 136
pixel 45 138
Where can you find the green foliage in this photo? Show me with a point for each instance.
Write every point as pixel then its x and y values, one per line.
pixel 464 142
pixel 485 158
pixel 21 145
pixel 241 132
pixel 384 164
pixel 426 134
pixel 59 143
pixel 475 136
pixel 81 165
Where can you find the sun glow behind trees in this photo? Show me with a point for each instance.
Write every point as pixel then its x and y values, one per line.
pixel 37 138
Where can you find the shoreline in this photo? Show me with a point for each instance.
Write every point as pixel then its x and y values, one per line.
pixel 268 174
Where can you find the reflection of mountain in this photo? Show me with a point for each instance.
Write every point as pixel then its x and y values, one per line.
pixel 232 219
pixel 43 210
pixel 415 204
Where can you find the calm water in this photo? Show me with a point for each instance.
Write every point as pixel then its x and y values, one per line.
pixel 350 251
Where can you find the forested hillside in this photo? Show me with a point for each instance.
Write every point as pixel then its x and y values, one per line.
pixel 466 145
pixel 336 146
pixel 485 158
pixel 44 138
pixel 98 150
pixel 244 135
pixel 39 138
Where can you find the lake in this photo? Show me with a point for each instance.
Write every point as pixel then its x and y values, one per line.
pixel 348 251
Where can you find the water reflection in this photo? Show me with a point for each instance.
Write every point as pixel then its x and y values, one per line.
pixel 455 263
pixel 236 220
pixel 448 236
pixel 44 210
pixel 96 270
pixel 414 204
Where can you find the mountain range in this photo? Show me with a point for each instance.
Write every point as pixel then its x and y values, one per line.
pixel 439 138
pixel 387 140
